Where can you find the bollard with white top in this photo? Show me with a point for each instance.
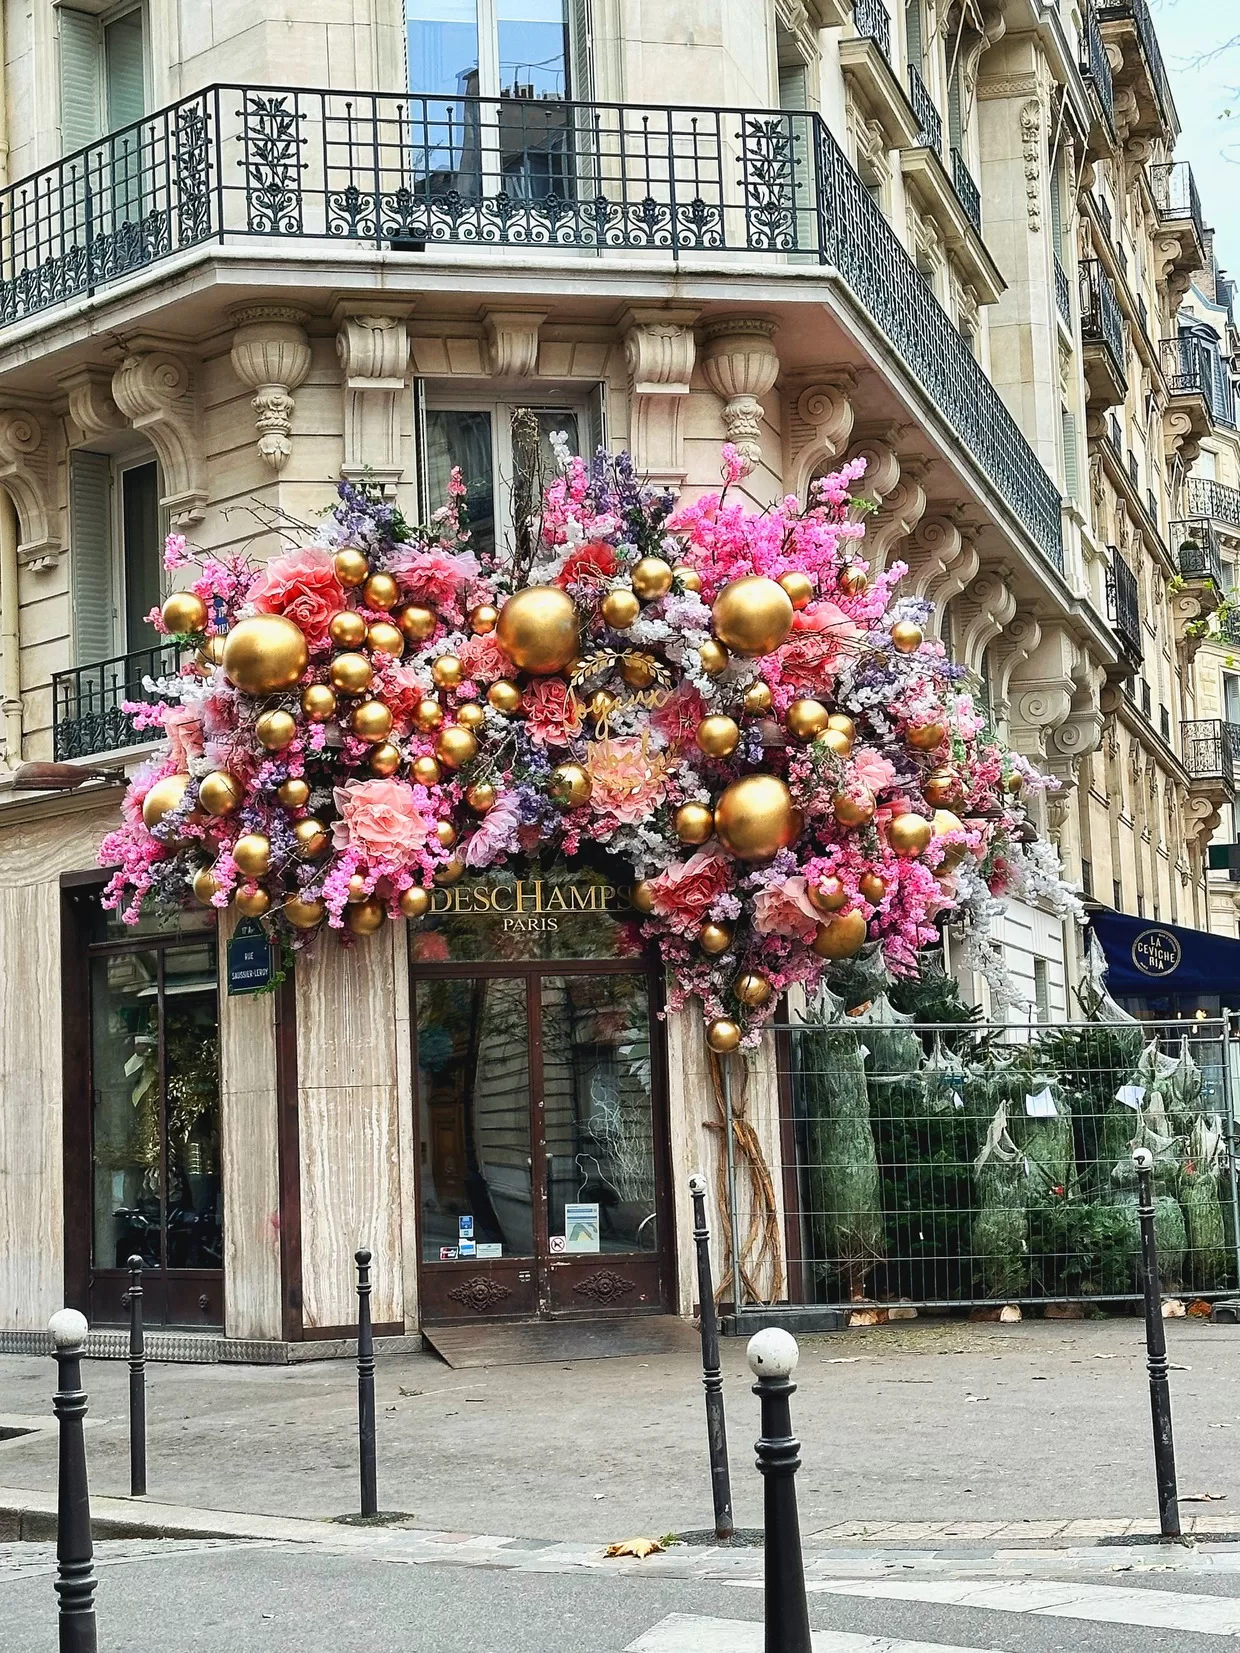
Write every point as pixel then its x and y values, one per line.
pixel 773 1357
pixel 75 1555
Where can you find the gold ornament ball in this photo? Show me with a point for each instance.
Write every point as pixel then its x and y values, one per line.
pixel 752 989
pixel 926 737
pixel 907 637
pixel 252 853
pixel 714 657
pixel 620 608
pixel 637 670
pixel 602 705
pixel 538 631
pixel 381 591
pixel 715 938
pixel 909 834
pixel 446 834
pixel 842 724
pixel 210 655
pixel 347 629
pixel 470 715
pixel 293 793
pixel 835 740
pixel 481 797
pixel 417 622
pixel 351 673
pixel 718 736
pixel 219 794
pixel 251 901
pixel 184 612
pixel 694 823
pixel 1012 783
pixel 385 638
pixel 723 1035
pixel 841 936
pixel 570 785
pixel 426 772
pixel 164 796
pixel 854 581
pixel 303 914
pixel 688 576
pixel 447 672
pixel 450 871
pixel 755 818
pixel 351 567
pixel 854 812
pixel 758 698
pixel 752 615
pixel 312 838
pixel 383 760
pixel 415 902
pixel 872 887
pixel 276 730
pixel 372 722
pixel 363 918
pixel 652 578
pixel 357 887
pixel 800 589
pixel 944 822
pixel 428 715
pixel 643 897
pixel 828 896
pixel 942 788
pixel 484 619
pixel 204 886
pixel 265 654
pixel 806 719
pixel 505 696
pixel 318 702
pixel 455 746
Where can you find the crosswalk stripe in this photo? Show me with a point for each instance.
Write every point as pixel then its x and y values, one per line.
pixel 686 1633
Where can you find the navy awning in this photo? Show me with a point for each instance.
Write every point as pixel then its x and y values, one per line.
pixel 1155 959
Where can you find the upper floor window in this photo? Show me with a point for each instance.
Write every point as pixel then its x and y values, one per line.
pixel 102 73
pixel 533 49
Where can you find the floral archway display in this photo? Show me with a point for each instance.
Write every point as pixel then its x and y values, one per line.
pixel 727 698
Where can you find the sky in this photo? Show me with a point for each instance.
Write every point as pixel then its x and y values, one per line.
pixel 1203 91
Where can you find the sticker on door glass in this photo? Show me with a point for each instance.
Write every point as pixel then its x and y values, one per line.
pixel 489 1250
pixel 580 1227
pixel 465 1227
pixel 557 1244
pixel 466 1248
pixel 447 1254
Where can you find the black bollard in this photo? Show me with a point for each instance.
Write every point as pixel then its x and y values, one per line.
pixel 75 1555
pixel 1156 1350
pixel 773 1356
pixel 366 1387
pixel 712 1371
pixel 137 1384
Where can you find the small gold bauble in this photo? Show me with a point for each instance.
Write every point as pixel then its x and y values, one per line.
pixel 481 796
pixel 800 589
pixel 637 670
pixel 293 793
pixel 643 896
pixel 210 655
pixel 455 746
pixel 381 592
pixel 752 989
pixel 205 886
pixel 835 740
pixel 470 715
pixel 318 702
pixel 276 730
pixel 450 871
pixel 602 705
pixel 752 615
pixel 806 719
pixel 417 622
pixel 942 788
pixel 363 918
pixel 265 654
pixel 758 698
pixel 303 914
pixel 841 936
pixel 219 794
pixel 872 887
pixel 351 673
pixel 620 608
pixel 426 772
pixel 723 1035
pixel 755 818
pixel 926 737
pixel 385 638
pixel 252 853
pixel 505 696
pixel 164 796
pixel 854 812
pixel 842 724
pixel 372 721
pixel 537 629
pixel 251 901
pixel 906 636
pixel 718 736
pixel 447 672
pixel 347 629
pixel 652 578
pixel 428 714
pixel 828 896
pixel 854 581
pixel 351 567
pixel 570 785
pixel 312 838
pixel 688 576
pixel 415 902
pixel 484 619
pixel 694 823
pixel 446 834
pixel 909 834
pixel 357 887
pixel 715 938
pixel 383 760
pixel 944 822
pixel 714 657
pixel 184 612
pixel 1012 783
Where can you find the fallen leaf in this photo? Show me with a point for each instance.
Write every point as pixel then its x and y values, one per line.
pixel 843 1360
pixel 969 1398
pixel 1202 1497
pixel 639 1547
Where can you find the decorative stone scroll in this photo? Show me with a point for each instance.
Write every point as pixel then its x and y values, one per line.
pixel 271 355
pixel 26 471
pixel 374 358
pixel 659 351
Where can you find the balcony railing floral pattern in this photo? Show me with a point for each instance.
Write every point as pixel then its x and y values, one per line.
pixel 1194 369
pixel 872 21
pixel 1123 604
pixel 88 715
pixel 1204 497
pixel 1102 321
pixel 1197 549
pixel 1207 752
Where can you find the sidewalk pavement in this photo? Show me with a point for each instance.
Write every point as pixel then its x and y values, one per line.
pixel 932 1433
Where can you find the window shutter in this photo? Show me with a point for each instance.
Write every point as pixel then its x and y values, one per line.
pixel 955 113
pixel 1056 210
pixel 90 542
pixel 1071 457
pixel 580 51
pixel 595 423
pixel 124 71
pixel 81 114
pixel 912 29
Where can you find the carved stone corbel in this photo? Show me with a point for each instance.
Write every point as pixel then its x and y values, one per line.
pixel 899 514
pixel 741 366
pixel 26 471
pixel 512 342
pixel 934 547
pixel 1181 439
pixel 271 355
pixel 1202 816
pixel 92 407
pixel 154 388
pixel 1016 642
pixel 659 351
pixel 982 610
pixel 820 421
pixel 877 446
pixel 374 360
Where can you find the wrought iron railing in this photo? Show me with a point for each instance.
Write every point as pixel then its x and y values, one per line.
pixel 1123 603
pixel 1175 193
pixel 1204 497
pixel 1151 506
pixel 1192 368
pixel 967 192
pixel 1102 321
pixel 1096 67
pixel 873 22
pixel 1120 11
pixel 1199 554
pixel 1115 435
pixel 1063 292
pixel 88 715
pixel 929 121
pixel 1228 619
pixel 1206 751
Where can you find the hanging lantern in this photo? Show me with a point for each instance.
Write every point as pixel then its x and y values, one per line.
pixel 752 615
pixel 265 654
pixel 755 818
pixel 538 631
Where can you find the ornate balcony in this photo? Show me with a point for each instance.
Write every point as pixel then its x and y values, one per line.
pixel 929 121
pixel 1123 605
pixel 1207 754
pixel 1200 390
pixel 872 21
pixel 1096 68
pixel 1198 553
pixel 1204 497
pixel 1102 338
pixel 1063 291
pixel 88 703
pixel 966 188
pixel 1128 25
pixel 1179 215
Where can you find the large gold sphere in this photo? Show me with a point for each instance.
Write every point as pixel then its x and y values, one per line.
pixel 854 581
pixel 318 702
pixel 381 592
pixel 415 902
pixel 926 737
pixel 428 714
pixel 426 772
pixel 372 721
pixel 483 619
pixel 828 896
pixel 447 672
pixel 652 578
pixel 637 670
pixel 942 789
pixel 252 853
pixel 351 673
pixel 620 608
pixel 806 719
pixel 385 638
pixel 470 715
pixel 841 936
pixel 715 938
pixel 943 823
pixel 205 886
pixel 347 629
pixel 455 746
pixel 505 696
pixel 842 724
pixel 872 887
pixel 835 740
pixel 251 901
pixel 537 629
pixel 694 823
pixel 688 576
pixel 643 897
pixel 383 760
pixel 219 794
pixel 906 636
pixel 276 730
pixel 718 736
pixel 450 872
pixel 363 918
pixel 303 914
pixel 800 589
pixel 758 698
pixel 755 818
pixel 723 1035
pixel 854 812
pixel 313 840
pixel 184 612
pixel 752 615
pixel 714 657
pixel 265 654
pixel 481 796
pixel 752 989
pixel 351 567
pixel 164 796
pixel 909 834
pixel 293 793
pixel 446 834
pixel 417 622
pixel 570 785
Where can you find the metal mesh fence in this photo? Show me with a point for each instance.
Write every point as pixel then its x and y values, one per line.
pixel 972 1164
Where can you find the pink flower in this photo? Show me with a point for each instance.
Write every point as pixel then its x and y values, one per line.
pixel 381 821
pixel 824 615
pixel 686 890
pixel 627 779
pixel 786 910
pixel 433 576
pixel 496 833
pixel 431 947
pixel 483 659
pixel 875 772
pixel 552 712
pixel 678 717
pixel 301 585
pixel 183 727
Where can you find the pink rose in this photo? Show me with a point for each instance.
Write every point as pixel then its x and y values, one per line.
pixel 381 821
pixel 627 778
pixel 433 576
pixel 483 659
pixel 686 890
pixel 786 910
pixel 872 770
pixel 552 712
pixel 678 717
pixel 183 727
pixel 824 615
pixel 301 585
